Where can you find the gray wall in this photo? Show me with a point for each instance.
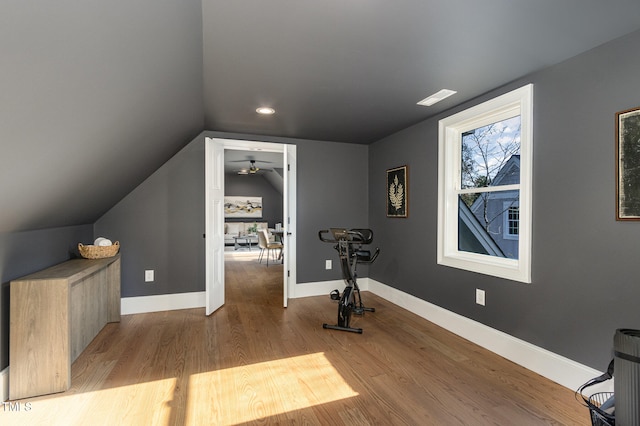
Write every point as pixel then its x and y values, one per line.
pixel 95 97
pixel 256 186
pixel 22 253
pixel 160 224
pixel 585 279
pixel 332 192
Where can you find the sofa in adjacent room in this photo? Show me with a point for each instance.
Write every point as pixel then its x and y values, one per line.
pixel 239 229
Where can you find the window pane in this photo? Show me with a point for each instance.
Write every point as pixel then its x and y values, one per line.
pixel 513 220
pixel 489 154
pixel 482 218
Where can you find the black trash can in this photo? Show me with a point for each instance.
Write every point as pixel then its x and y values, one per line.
pixel 626 348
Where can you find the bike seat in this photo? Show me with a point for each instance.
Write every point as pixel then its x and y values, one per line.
pixel 363 255
pixel 365 235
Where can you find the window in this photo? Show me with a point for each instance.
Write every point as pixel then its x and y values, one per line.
pixel 484 187
pixel 512 222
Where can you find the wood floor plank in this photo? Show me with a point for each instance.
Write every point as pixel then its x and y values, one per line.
pixel 253 362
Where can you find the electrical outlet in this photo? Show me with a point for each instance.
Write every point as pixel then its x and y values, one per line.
pixel 148 276
pixel 479 296
pixel 327 264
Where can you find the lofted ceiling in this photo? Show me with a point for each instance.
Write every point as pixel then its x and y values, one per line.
pixel 267 166
pixel 266 162
pixel 95 96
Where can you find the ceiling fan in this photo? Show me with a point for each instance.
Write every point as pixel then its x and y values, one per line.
pixel 252 170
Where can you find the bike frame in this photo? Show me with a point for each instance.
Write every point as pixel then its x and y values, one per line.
pixel 349 246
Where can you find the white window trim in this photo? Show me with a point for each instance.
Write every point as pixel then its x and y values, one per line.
pixel 516 102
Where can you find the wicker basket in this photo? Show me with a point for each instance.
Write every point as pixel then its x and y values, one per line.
pixel 98 252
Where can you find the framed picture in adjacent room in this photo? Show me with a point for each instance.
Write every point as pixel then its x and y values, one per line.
pixel 628 164
pixel 242 207
pixel 397 192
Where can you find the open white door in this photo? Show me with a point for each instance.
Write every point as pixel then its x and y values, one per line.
pixel 289 212
pixel 214 211
pixel 214 226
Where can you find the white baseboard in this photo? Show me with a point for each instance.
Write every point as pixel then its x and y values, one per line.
pixel 557 368
pixel 554 367
pixel 321 288
pixel 162 302
pixel 169 302
pixel 4 384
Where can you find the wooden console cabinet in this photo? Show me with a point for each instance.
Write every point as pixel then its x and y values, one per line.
pixel 54 315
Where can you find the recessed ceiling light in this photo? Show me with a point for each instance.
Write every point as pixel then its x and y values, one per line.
pixel 266 110
pixel 437 97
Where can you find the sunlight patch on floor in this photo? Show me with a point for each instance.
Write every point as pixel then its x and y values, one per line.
pixel 242 255
pixel 258 391
pixel 148 403
pixel 243 258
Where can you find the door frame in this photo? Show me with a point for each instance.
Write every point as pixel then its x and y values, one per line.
pixel 214 175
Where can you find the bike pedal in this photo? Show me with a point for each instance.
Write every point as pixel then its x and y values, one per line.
pixel 335 295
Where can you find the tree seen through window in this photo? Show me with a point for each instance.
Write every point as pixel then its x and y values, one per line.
pixel 490 160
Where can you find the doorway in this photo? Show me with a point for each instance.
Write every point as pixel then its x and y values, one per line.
pixel 214 211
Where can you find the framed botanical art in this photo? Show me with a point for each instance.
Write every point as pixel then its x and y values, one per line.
pixel 628 164
pixel 397 192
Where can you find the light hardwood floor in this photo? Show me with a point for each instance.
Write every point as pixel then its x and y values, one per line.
pixel 253 362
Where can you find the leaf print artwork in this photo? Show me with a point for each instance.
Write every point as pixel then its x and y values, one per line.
pixel 396 191
pixel 396 194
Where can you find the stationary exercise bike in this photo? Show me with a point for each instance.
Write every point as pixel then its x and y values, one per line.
pixel 349 244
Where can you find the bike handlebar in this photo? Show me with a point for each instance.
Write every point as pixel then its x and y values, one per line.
pixel 341 234
pixel 351 237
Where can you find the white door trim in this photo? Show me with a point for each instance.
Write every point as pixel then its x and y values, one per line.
pixel 215 243
pixel 290 221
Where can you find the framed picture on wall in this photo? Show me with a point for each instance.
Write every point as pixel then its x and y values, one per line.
pixel 628 164
pixel 397 192
pixel 242 207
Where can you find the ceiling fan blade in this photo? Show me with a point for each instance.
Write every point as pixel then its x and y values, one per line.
pixel 256 171
pixel 252 170
pixel 244 161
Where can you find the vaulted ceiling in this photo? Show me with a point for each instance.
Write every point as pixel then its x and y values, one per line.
pixel 96 95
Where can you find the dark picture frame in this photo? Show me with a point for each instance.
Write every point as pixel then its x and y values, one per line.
pixel 628 164
pixel 397 192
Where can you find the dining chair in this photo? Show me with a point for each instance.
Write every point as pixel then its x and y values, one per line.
pixel 265 245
